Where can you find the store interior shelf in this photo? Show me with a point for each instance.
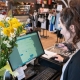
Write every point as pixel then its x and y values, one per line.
pixel 21 9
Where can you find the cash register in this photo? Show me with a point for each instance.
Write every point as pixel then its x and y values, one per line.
pixel 28 50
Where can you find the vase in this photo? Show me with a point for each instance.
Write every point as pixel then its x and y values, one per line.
pixel 7 76
pixel 4 72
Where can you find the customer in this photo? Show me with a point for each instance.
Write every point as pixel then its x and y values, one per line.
pixel 70 24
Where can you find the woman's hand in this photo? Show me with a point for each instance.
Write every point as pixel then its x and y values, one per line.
pixel 58 58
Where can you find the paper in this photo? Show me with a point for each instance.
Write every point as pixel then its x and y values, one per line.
pixel 48 54
pixel 16 73
pixel 24 67
pixel 20 73
pixel 59 8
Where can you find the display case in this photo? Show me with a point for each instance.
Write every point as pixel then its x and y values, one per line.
pixel 21 10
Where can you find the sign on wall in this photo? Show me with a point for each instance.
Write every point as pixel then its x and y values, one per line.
pixel 39 1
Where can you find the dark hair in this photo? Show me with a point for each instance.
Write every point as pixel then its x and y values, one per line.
pixel 69 16
pixel 75 4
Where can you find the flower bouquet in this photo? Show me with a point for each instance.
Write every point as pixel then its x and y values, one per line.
pixel 10 28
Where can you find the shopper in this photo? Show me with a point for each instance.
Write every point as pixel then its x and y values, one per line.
pixel 70 24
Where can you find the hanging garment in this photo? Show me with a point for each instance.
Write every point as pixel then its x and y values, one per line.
pixel 47 24
pixel 39 24
pixel 49 17
pixel 56 25
pixel 43 24
pixel 51 26
pixel 35 20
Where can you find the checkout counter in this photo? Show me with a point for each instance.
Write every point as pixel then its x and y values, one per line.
pixel 36 71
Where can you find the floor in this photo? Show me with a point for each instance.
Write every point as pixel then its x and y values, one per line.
pixel 50 40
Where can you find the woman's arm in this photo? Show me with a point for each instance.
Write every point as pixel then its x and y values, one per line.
pixel 61 58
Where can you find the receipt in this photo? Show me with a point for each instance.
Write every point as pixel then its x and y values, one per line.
pixel 21 73
pixel 48 54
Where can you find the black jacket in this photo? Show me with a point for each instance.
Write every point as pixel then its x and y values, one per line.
pixel 72 71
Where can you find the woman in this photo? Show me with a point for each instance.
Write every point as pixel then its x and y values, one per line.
pixel 70 24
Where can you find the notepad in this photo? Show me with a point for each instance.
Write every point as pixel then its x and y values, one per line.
pixel 48 54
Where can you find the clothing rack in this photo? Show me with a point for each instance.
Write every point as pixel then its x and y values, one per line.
pixel 59 36
pixel 43 33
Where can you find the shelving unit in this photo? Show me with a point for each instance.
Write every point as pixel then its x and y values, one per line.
pixel 21 9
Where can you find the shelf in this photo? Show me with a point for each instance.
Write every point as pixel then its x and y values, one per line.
pixel 3 8
pixel 21 9
pixel 20 14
